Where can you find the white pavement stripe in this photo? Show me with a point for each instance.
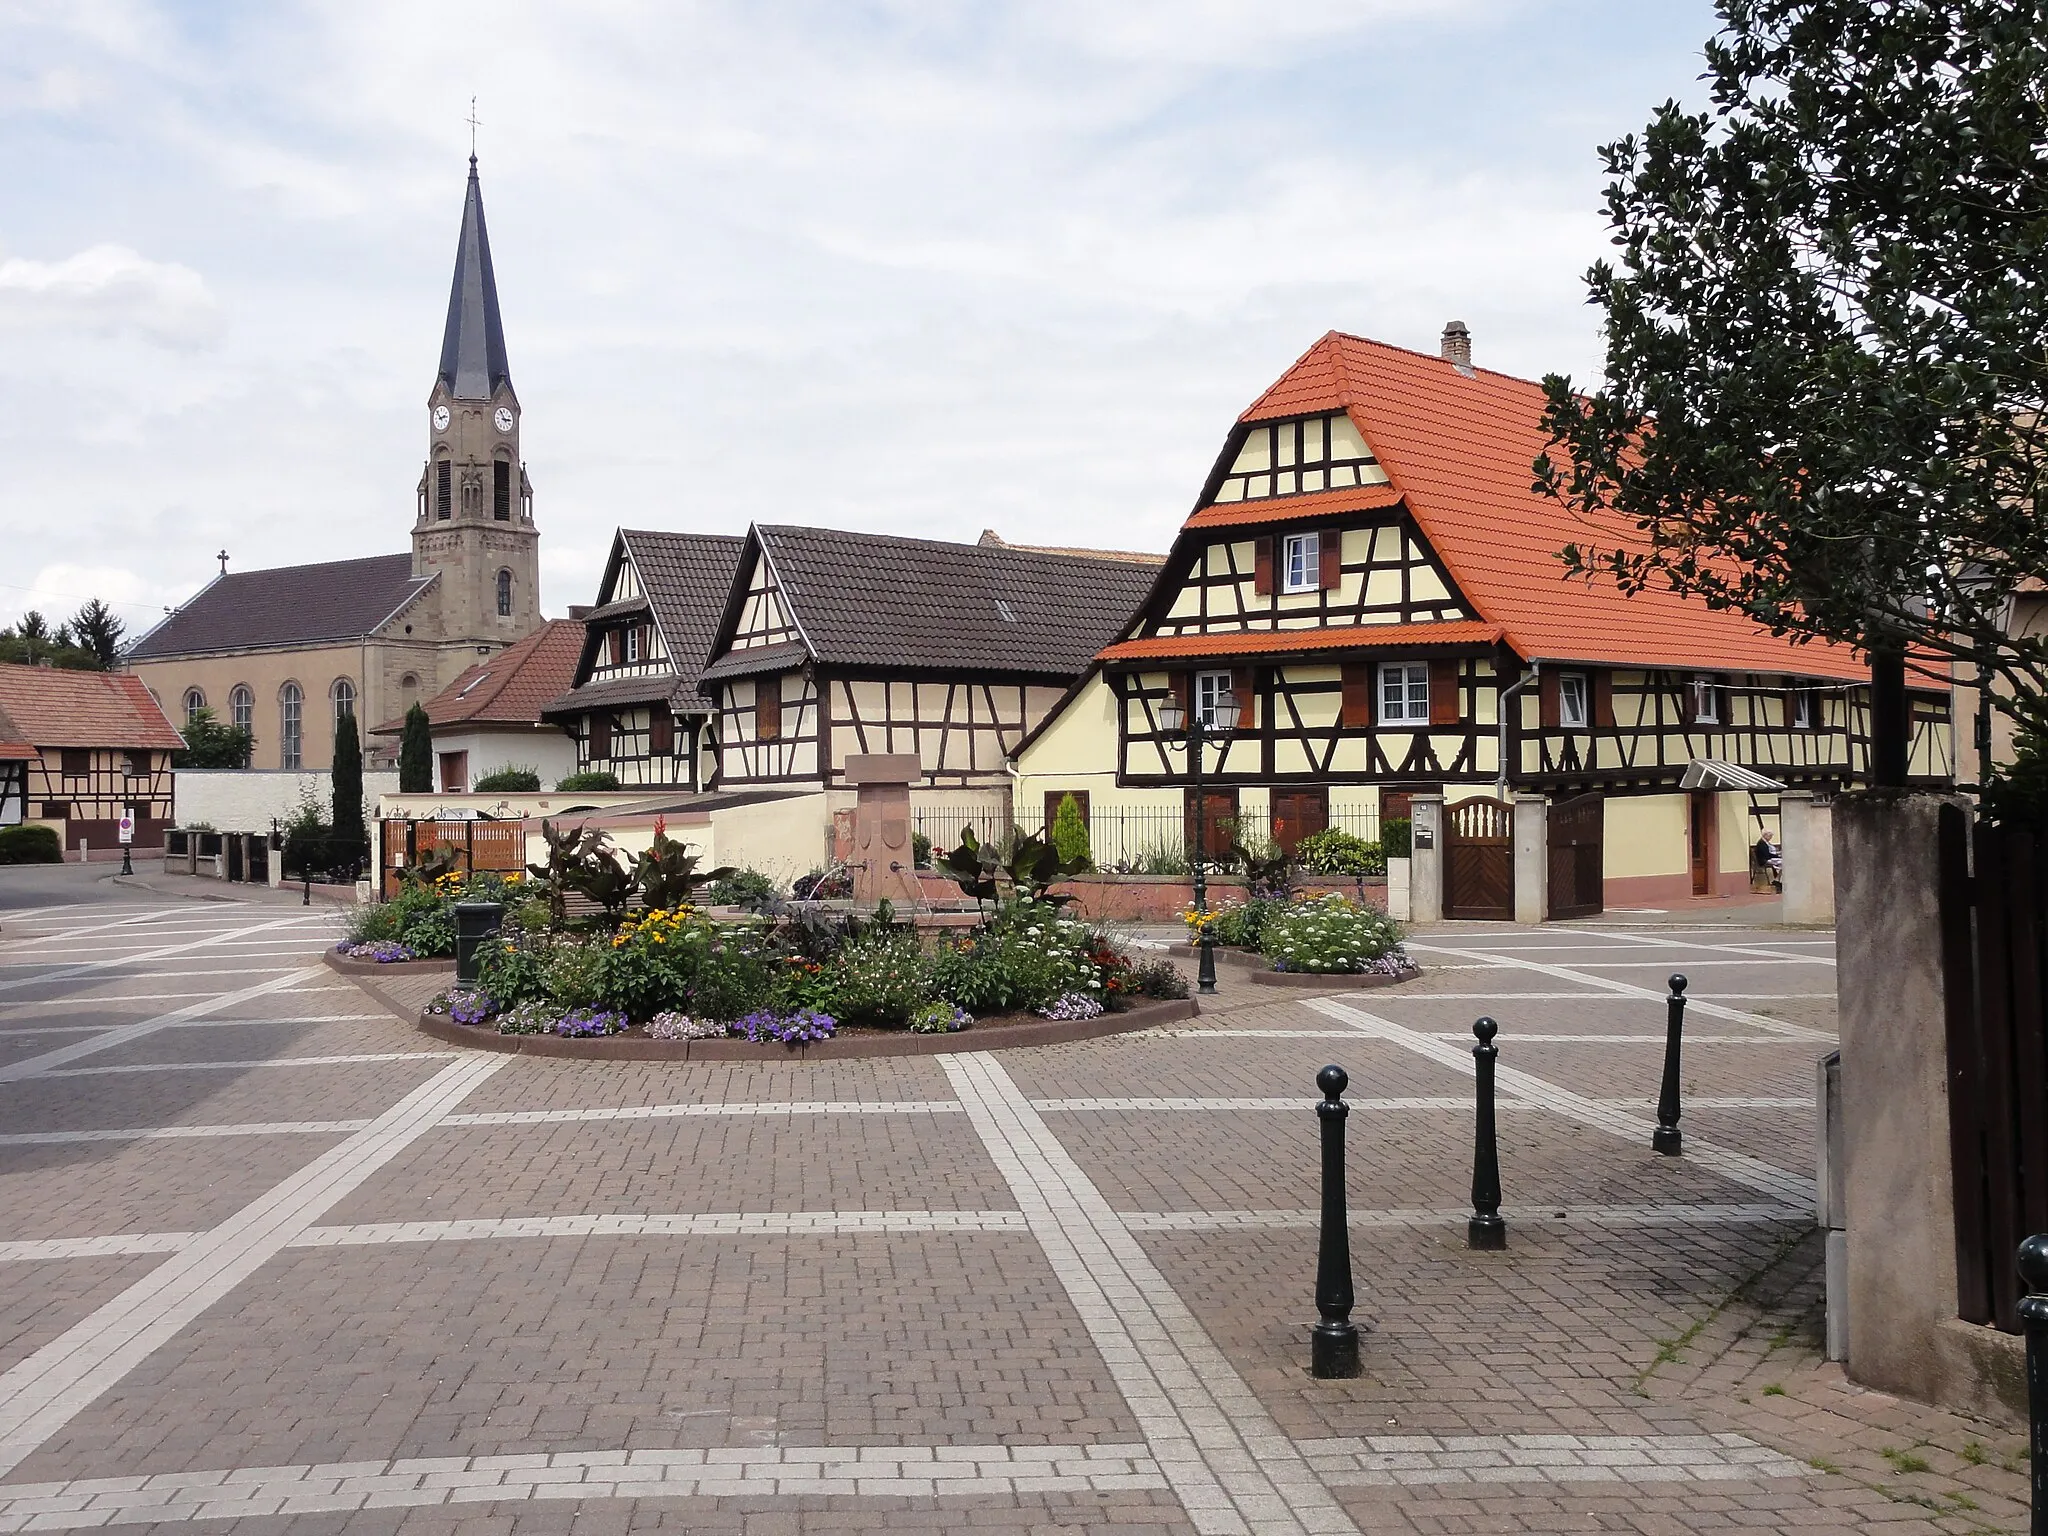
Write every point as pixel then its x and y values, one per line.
pixel 89 966
pixel 1168 1032
pixel 1407 1460
pixel 1609 984
pixel 757 1472
pixel 1581 997
pixel 44 1392
pixel 717 1224
pixel 1541 1216
pixel 186 1132
pixel 32 1066
pixel 1778 949
pixel 246 1066
pixel 1791 1188
pixel 219 970
pixel 88 1000
pixel 30 1250
pixel 1656 1039
pixel 1224 1455
pixel 1299 1105
pixel 678 1111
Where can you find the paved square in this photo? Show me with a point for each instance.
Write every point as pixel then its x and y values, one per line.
pixel 269 1255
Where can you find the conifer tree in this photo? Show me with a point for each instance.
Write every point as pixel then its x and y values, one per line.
pixel 416 754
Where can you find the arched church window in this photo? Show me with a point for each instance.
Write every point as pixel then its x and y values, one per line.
pixel 501 489
pixel 195 701
pixel 504 594
pixel 344 695
pixel 290 701
pixel 242 707
pixel 444 487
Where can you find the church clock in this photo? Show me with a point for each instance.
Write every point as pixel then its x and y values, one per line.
pixel 504 418
pixel 440 418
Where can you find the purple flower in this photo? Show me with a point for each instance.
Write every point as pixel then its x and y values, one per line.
pixel 583 1023
pixel 1071 1005
pixel 797 1028
pixel 467 1007
pixel 383 951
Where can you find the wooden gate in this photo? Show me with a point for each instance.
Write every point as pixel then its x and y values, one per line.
pixel 1576 857
pixel 1994 943
pixel 479 846
pixel 1479 859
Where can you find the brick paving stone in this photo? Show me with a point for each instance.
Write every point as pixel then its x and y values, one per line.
pixel 38 1301
pixel 259 1039
pixel 1191 1066
pixel 539 1083
pixel 190 1098
pixel 84 1189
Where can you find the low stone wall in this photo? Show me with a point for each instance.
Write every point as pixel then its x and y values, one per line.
pixel 1163 898
pixel 250 799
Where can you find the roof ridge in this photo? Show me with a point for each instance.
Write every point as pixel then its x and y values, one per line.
pixel 983 551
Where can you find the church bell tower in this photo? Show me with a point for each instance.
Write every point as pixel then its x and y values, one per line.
pixel 475 524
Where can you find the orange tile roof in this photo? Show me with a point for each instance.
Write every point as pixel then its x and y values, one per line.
pixel 56 707
pixel 509 687
pixel 1458 451
pixel 1275 509
pixel 1265 642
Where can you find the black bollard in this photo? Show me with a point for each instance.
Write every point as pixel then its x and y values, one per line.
pixel 2033 1310
pixel 1486 1229
pixel 1666 1138
pixel 1333 1349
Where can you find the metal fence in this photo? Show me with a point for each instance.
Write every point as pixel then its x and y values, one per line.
pixel 1135 840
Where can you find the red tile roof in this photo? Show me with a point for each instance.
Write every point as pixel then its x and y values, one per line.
pixel 15 747
pixel 1458 450
pixel 1275 509
pixel 510 687
pixel 55 707
pixel 1264 642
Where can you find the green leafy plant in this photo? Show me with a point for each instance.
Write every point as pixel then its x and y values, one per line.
pixel 920 851
pixel 1332 934
pixel 1395 837
pixel 588 780
pixel 582 858
pixel 1243 924
pixel 508 780
pixel 1337 852
pixel 747 888
pixel 1268 873
pixel 30 845
pixel 212 743
pixel 1035 865
pixel 667 872
pixel 879 978
pixel 1070 834
pixel 972 865
pixel 439 863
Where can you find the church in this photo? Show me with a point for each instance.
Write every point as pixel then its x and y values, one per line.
pixel 287 652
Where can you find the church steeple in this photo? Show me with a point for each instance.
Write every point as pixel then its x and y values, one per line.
pixel 473 363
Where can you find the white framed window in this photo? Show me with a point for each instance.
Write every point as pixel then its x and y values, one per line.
pixel 1210 687
pixel 289 702
pixel 1802 709
pixel 1404 693
pixel 242 707
pixel 195 701
pixel 632 642
pixel 1572 711
pixel 343 693
pixel 1706 701
pixel 1301 564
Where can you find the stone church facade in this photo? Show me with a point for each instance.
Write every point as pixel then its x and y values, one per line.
pixel 287 652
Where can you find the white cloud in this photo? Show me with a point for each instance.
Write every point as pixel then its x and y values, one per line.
pixel 108 289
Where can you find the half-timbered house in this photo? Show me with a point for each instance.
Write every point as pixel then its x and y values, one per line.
pixel 837 644
pixel 635 710
pixel 79 750
pixel 1369 579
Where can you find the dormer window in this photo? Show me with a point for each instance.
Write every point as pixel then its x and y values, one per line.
pixel 633 643
pixel 1301 563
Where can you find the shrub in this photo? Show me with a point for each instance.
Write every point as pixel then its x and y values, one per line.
pixel 1394 838
pixel 1070 833
pixel 879 978
pixel 920 851
pixel 732 980
pixel 1244 926
pixel 574 974
pixel 650 962
pixel 1332 934
pixel 1158 978
pixel 1336 852
pixel 507 780
pixel 747 888
pixel 30 845
pixel 1027 954
pixel 588 779
pixel 533 1017
pixel 511 975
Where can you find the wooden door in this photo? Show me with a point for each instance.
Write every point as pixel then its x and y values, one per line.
pixel 1700 841
pixel 454 773
pixel 1299 813
pixel 1576 857
pixel 1213 828
pixel 1479 859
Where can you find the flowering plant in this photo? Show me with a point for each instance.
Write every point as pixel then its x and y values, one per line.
pixel 1201 922
pixel 939 1018
pixel 466 1006
pixel 1332 934
pixel 529 1018
pixel 1071 1005
pixel 806 1024
pixel 680 1026
pixel 383 951
pixel 581 1023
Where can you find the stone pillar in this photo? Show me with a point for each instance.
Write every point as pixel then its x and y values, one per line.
pixel 884 866
pixel 1806 839
pixel 1532 858
pixel 1895 1180
pixel 1426 859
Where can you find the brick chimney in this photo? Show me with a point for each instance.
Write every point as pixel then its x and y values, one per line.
pixel 1456 347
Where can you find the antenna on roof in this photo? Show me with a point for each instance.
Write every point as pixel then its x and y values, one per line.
pixel 222 557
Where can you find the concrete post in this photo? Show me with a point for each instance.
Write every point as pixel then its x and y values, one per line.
pixel 1532 858
pixel 1806 840
pixel 1426 858
pixel 1895 1177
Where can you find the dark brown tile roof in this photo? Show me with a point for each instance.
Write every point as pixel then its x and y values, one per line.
pixel 512 687
pixel 54 707
pixel 874 600
pixel 291 605
pixel 758 658
pixel 687 577
pixel 614 693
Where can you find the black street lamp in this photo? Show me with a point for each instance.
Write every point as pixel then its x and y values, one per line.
pixel 1200 725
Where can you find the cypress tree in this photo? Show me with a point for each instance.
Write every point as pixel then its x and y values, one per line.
pixel 348 790
pixel 416 754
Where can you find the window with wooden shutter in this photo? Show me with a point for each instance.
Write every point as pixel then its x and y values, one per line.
pixel 501 490
pixel 600 736
pixel 77 763
pixel 1262 566
pixel 1603 699
pixel 444 488
pixel 1242 685
pixel 768 709
pixel 1181 686
pixel 615 645
pixel 1355 713
pixel 1332 559
pixel 661 731
pixel 1443 693
pixel 1549 710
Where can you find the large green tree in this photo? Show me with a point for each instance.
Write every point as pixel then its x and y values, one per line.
pixel 416 754
pixel 94 628
pixel 1827 335
pixel 211 742
pixel 31 642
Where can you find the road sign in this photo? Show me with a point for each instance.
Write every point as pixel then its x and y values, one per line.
pixel 127 827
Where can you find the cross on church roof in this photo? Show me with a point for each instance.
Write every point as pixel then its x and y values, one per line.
pixel 473 125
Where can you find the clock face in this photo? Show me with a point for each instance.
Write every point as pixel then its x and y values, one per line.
pixel 504 418
pixel 440 418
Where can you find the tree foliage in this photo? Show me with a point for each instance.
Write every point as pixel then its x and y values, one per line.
pixel 1070 832
pixel 211 742
pixel 94 628
pixel 349 835
pixel 1827 333
pixel 416 754
pixel 32 643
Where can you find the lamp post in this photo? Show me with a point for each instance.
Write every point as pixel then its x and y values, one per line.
pixel 1219 719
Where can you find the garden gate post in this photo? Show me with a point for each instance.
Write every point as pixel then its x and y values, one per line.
pixel 1426 858
pixel 1532 858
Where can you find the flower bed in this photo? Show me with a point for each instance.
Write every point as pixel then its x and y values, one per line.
pixel 1326 935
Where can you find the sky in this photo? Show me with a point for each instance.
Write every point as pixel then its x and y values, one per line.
pixel 917 267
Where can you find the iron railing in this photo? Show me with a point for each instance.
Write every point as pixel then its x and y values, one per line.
pixel 1138 840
